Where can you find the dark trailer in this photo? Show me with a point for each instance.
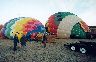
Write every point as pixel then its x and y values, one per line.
pixel 83 47
pixel 92 32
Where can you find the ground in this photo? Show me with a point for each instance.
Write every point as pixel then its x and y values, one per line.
pixel 34 52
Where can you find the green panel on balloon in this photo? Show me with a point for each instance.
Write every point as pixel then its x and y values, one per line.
pixel 77 32
pixel 60 15
pixel 8 30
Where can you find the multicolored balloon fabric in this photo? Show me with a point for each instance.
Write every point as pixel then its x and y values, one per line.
pixel 66 25
pixel 22 25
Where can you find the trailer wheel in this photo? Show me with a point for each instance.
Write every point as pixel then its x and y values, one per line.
pixel 73 48
pixel 83 50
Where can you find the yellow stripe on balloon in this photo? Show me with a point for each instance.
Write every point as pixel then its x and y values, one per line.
pixel 18 27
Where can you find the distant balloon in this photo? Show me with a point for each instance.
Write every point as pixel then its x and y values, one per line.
pixel 23 25
pixel 1 34
pixel 1 26
pixel 66 25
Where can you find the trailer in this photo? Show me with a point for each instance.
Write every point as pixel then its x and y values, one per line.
pixel 83 47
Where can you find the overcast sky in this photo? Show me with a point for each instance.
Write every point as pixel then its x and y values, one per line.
pixel 42 9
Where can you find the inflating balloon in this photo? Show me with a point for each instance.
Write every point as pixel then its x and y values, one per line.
pixel 1 34
pixel 66 25
pixel 1 26
pixel 23 25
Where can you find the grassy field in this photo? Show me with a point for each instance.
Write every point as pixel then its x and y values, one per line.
pixel 54 52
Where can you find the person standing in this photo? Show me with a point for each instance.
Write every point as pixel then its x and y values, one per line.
pixel 23 40
pixel 44 40
pixel 15 41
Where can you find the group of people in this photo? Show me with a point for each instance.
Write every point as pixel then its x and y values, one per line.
pixel 23 39
pixel 21 42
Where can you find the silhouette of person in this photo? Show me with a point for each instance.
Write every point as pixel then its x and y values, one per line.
pixel 44 40
pixel 23 40
pixel 15 41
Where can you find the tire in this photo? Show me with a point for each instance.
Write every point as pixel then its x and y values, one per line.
pixel 73 48
pixel 83 50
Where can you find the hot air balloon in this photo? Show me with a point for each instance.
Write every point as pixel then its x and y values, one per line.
pixel 1 26
pixel 1 34
pixel 66 25
pixel 23 25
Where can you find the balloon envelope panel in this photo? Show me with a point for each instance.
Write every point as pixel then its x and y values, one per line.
pixel 22 25
pixel 65 24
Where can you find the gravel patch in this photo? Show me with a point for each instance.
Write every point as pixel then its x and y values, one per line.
pixel 34 52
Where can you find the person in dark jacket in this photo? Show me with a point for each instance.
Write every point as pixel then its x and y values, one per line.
pixel 15 40
pixel 44 40
pixel 23 40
